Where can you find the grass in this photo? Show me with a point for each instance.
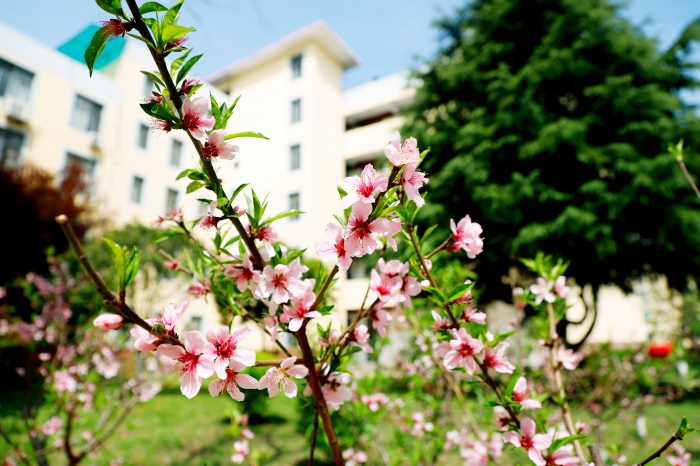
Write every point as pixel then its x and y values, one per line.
pixel 172 430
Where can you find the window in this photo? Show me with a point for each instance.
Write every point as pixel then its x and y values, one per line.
pixel 137 190
pixel 296 66
pixel 294 204
pixel 296 111
pixel 10 146
pixel 195 323
pixel 295 157
pixel 171 200
pixel 358 269
pixel 149 87
pixel 176 153
pixel 86 166
pixel 14 81
pixel 86 114
pixel 143 135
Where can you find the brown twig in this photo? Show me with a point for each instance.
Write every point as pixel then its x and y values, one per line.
pixel 439 248
pixel 663 448
pixel 595 455
pixel 98 441
pixel 276 362
pixel 688 177
pixel 314 434
pixel 559 384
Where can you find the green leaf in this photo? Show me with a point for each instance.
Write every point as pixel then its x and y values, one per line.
pixel 459 291
pixel 435 292
pixel 427 233
pixel 170 33
pixel 289 213
pixel 246 134
pixel 95 48
pixel 186 68
pixel 563 441
pixel 501 337
pixel 226 114
pixel 154 77
pixel 111 6
pixel 194 186
pixel 342 192
pixel 684 429
pixel 132 266
pixel 142 39
pixel 326 309
pixel 215 110
pixel 177 63
pixel 159 111
pixel 167 234
pixel 185 173
pixel 119 263
pixel 172 14
pixel 238 191
pixel 150 7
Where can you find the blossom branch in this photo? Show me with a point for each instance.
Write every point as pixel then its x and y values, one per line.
pixel 314 434
pixel 595 455
pixel 439 248
pixel 688 177
pixel 663 448
pixel 559 385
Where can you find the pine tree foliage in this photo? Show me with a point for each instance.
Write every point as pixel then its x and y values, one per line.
pixel 548 122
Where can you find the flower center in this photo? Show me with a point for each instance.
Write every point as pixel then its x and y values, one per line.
pixel 280 281
pixel 365 190
pixel 210 150
pixel 226 349
pixel 188 362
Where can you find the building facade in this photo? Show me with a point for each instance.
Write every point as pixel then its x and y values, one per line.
pixel 53 114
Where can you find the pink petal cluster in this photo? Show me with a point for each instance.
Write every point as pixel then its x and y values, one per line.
pixel 266 235
pixel 241 449
pixel 568 358
pixel 543 290
pixel 681 458
pixel 194 117
pixel 109 321
pixel 336 390
pixel 495 358
pixel 354 457
pixel 245 275
pixel 462 351
pixel 420 425
pixel 380 319
pixel 528 440
pixel 277 378
pixel 362 233
pixel 216 146
pixel 467 235
pixel 364 189
pixel 233 380
pixel 361 337
pixel 375 401
pixel 194 361
pixel 334 249
pixel 521 393
pixel 411 181
pixel 210 220
pixel 283 282
pixel 226 348
pixel 402 154
pixel 300 307
pixel 410 286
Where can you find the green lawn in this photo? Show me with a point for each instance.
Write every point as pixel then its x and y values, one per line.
pixel 172 430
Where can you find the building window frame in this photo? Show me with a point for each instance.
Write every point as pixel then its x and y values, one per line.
pixel 295 64
pixel 296 111
pixel 295 157
pixel 137 185
pixel 171 198
pixel 143 136
pixel 294 200
pixel 92 124
pixel 9 134
pixel 176 156
pixel 15 81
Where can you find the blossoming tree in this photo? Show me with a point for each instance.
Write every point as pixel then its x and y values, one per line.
pixel 251 265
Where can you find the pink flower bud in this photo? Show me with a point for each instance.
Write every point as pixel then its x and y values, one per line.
pixel 109 321
pixel 171 265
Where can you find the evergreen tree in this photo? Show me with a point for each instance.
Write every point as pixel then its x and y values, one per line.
pixel 549 122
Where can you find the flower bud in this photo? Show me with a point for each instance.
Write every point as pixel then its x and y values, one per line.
pixel 159 330
pixel 109 321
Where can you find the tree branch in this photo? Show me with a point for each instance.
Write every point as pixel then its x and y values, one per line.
pixel 314 434
pixel 658 452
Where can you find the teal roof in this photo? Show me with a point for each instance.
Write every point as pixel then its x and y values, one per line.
pixel 75 47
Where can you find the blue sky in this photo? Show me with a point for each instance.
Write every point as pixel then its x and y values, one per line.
pixel 388 35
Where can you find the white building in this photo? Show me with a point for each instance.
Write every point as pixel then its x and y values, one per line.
pixel 53 113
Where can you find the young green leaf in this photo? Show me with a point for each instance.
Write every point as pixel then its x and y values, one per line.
pixel 238 191
pixel 111 6
pixel 194 186
pixel 246 134
pixel 154 77
pixel 184 173
pixel 150 7
pixel 170 33
pixel 684 429
pixel 177 63
pixel 167 234
pixel 186 68
pixel 132 266
pixel 172 14
pixel 145 41
pixel 95 48
pixel 289 213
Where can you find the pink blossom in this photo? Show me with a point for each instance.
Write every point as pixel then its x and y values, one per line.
pixel 194 117
pixel 109 321
pixel 283 282
pixel 155 98
pixel 210 220
pixel 335 248
pixel 116 27
pixel 374 401
pixel 300 308
pixel 333 337
pixel 63 382
pixel 521 393
pixel 560 287
pixel 226 347
pixel 353 458
pixel 380 319
pixel 563 456
pixel 412 180
pixel 409 288
pixel 241 451
pixel 44 357
pixel 176 43
pixel 360 239
pixel 543 291
pixel 171 264
pixel 51 426
pixel 194 361
pixel 170 315
pixel 402 154
pixel 463 349
pixel 420 425
pixel 161 126
pixel 336 390
pixel 245 275
pixel 495 358
pixel 467 235
pixel 272 322
pixel 530 441
pixel 200 288
pixel 361 337
pixel 393 268
pixel 682 457
pixel 568 358
pixel 472 315
pixel 441 323
pixel 502 419
pixel 267 235
pixel 216 146
pixel 232 380
pixel 363 189
pixel 247 433
pixel 144 340
pixel 189 84
pixel 387 288
pixel 280 378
